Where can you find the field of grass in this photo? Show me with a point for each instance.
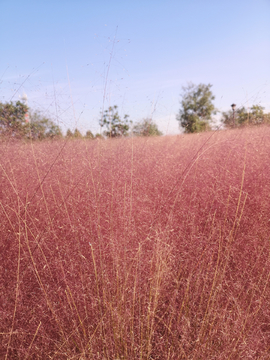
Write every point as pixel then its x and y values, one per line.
pixel 144 248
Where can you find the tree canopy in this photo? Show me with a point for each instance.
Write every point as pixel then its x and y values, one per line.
pixel 89 135
pixel 146 128
pixel 69 133
pixel 243 117
pixel 115 126
pixel 197 108
pixel 42 128
pixel 77 134
pixel 12 119
pixel 14 123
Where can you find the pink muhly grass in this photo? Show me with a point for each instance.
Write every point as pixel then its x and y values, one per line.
pixel 136 248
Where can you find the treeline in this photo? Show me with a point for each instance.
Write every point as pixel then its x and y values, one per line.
pixel 18 121
pixel 195 115
pixel 197 111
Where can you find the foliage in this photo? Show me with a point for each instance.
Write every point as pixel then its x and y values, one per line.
pixel 40 127
pixel 77 134
pixel 69 133
pixel 13 123
pixel 89 135
pixel 146 128
pixel 115 126
pixel 197 108
pixel 12 119
pixel 243 117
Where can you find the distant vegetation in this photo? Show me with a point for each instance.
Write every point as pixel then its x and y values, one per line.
pixel 18 121
pixel 197 110
pixel 146 128
pixel 114 125
pixel 195 115
pixel 243 117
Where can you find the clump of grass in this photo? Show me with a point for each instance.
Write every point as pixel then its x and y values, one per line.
pixel 136 248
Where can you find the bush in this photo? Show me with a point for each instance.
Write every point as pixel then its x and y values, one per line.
pixel 146 128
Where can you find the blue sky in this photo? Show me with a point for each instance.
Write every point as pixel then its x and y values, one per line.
pixel 75 58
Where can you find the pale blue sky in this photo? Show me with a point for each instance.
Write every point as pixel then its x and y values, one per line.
pixel 72 58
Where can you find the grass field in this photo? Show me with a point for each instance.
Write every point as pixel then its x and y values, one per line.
pixel 143 248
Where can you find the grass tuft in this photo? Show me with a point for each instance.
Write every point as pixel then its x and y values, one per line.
pixel 144 248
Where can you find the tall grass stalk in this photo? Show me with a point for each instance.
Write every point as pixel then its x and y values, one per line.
pixel 136 248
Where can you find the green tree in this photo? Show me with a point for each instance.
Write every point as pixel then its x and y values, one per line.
pixel 115 126
pixel 99 136
pixel 146 128
pixel 243 117
pixel 77 134
pixel 12 119
pixel 197 108
pixel 229 119
pixel 69 133
pixel 42 128
pixel 13 122
pixel 89 135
